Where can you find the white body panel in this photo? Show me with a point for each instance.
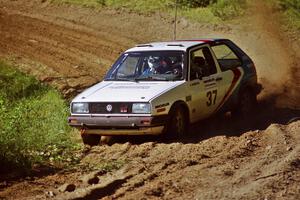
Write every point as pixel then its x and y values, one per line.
pixel 117 91
pixel 203 96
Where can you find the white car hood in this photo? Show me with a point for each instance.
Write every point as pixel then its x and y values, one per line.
pixel 116 91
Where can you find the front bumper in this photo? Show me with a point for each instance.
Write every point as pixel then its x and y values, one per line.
pixel 119 125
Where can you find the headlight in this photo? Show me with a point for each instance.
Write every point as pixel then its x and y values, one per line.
pixel 141 108
pixel 80 108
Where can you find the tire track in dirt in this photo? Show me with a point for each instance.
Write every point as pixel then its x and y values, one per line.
pixel 255 165
pixel 65 52
pixel 61 46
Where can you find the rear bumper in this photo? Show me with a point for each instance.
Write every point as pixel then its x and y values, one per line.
pixel 119 125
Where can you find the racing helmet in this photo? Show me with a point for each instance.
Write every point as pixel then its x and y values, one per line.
pixel 153 62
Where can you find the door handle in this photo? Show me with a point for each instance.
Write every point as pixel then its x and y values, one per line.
pixel 219 79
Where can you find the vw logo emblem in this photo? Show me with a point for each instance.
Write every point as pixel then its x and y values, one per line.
pixel 109 108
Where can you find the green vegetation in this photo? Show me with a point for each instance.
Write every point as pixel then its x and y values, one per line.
pixel 203 14
pixel 290 13
pixel 212 11
pixel 87 3
pixel 199 10
pixel 33 126
pixel 102 165
pixel 291 10
pixel 228 9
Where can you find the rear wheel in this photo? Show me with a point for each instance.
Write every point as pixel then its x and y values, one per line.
pixel 178 123
pixel 247 104
pixel 90 139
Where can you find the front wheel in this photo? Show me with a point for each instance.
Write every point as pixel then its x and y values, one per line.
pixel 178 123
pixel 90 139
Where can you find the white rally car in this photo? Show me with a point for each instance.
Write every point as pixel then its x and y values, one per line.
pixel 163 87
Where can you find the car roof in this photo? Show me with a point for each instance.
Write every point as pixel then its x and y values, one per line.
pixel 176 45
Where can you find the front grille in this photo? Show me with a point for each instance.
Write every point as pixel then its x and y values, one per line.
pixel 101 108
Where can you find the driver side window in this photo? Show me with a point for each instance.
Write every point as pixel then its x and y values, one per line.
pixel 201 63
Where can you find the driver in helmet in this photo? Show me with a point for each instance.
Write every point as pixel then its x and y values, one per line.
pixel 165 65
pixel 158 65
pixel 153 63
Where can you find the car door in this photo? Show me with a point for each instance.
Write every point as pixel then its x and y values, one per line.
pixel 204 78
pixel 230 71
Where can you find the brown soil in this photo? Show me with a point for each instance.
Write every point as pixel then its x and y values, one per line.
pixel 72 47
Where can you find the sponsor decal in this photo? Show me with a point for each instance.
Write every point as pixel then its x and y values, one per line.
pixel 237 74
pixel 130 87
pixel 210 85
pixel 209 80
pixel 196 83
pixel 161 110
pixel 162 105
pixel 188 98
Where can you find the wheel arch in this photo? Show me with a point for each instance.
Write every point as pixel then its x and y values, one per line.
pixel 247 87
pixel 182 104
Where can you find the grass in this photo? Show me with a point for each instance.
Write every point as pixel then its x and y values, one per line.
pixel 290 12
pixel 32 121
pixel 85 3
pixel 215 12
pixel 198 10
pixel 102 165
pixel 229 9
pixel 200 15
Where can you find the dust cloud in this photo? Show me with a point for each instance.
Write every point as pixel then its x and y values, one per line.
pixel 276 57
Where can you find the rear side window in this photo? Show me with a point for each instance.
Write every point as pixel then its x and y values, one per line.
pixel 226 57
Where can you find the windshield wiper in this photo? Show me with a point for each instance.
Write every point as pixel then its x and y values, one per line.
pixel 124 79
pixel 119 79
pixel 141 78
pixel 156 78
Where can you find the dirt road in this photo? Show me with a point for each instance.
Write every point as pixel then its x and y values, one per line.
pixel 71 48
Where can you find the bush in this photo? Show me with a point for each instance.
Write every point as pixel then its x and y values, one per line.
pixel 33 121
pixel 200 14
pixel 194 9
pixel 195 3
pixel 290 4
pixel 291 9
pixel 227 9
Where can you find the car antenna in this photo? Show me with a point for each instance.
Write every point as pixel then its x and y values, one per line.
pixel 175 20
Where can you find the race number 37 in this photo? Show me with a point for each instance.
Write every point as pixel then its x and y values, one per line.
pixel 211 97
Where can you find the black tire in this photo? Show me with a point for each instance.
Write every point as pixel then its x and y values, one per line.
pixel 178 123
pixel 294 119
pixel 246 106
pixel 90 139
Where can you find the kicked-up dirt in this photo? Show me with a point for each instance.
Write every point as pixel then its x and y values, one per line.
pixel 71 48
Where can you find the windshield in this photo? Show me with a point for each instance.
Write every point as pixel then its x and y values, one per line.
pixel 148 66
